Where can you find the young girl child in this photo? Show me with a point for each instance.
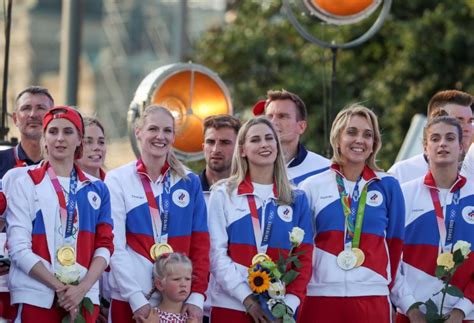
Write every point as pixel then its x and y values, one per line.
pixel 172 273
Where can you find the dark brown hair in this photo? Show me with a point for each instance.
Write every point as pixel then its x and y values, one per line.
pixel 273 95
pixel 219 121
pixel 443 98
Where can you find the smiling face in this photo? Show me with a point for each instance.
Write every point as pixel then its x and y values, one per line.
pixel 176 285
pixel 29 113
pixel 356 141
pixel 156 135
pixel 442 145
pixel 260 146
pixel 94 150
pixel 61 138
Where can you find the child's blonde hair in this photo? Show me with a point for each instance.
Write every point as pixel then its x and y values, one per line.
pixel 164 265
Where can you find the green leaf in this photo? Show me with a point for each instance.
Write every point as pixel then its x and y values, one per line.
pixel 281 264
pixel 431 307
pixel 279 310
pixel 288 319
pixel 289 276
pixel 66 319
pixel 291 259
pixel 415 305
pixel 440 272
pixel 433 317
pixel 454 291
pixel 80 318
pixel 299 253
pixel 458 257
pixel 297 263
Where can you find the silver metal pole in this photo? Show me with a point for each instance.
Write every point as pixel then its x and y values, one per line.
pixel 70 50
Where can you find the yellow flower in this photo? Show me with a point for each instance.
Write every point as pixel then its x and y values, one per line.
pixel 445 260
pixel 259 281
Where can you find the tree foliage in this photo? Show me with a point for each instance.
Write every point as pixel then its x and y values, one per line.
pixel 424 46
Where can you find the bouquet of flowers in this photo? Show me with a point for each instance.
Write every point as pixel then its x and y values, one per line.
pixel 268 279
pixel 70 275
pixel 447 264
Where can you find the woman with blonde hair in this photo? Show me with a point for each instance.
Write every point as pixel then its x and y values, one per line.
pixel 157 206
pixel 358 216
pixel 252 213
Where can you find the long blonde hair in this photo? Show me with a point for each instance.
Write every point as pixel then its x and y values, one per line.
pixel 340 123
pixel 171 158
pixel 240 164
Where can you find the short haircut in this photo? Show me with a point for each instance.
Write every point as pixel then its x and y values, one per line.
pixel 273 95
pixel 35 89
pixel 219 121
pixel 443 98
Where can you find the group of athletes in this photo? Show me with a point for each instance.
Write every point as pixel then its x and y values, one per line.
pixel 371 240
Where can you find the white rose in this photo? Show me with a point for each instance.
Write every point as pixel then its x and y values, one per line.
pixel 296 236
pixel 68 274
pixel 277 290
pixel 464 246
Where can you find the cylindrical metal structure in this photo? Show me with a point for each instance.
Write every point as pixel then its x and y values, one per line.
pixel 191 92
pixel 70 50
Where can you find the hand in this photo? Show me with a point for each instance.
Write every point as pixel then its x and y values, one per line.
pixel 153 317
pixel 254 310
pixel 192 320
pixel 70 296
pixel 142 313
pixel 416 316
pixel 456 316
pixel 103 315
pixel 4 269
pixel 73 313
pixel 193 312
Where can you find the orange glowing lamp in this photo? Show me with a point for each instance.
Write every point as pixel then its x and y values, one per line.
pixel 190 92
pixel 340 12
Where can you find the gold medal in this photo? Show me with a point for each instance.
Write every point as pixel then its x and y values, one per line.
pixel 66 256
pixel 359 255
pixel 260 257
pixel 158 249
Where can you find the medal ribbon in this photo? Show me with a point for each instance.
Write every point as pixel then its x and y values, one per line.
pixel 160 222
pixel 263 245
pixel 445 236
pixel 353 211
pixel 67 212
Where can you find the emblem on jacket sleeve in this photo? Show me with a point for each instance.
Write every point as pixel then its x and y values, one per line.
pixel 374 198
pixel 181 198
pixel 468 214
pixel 285 213
pixel 94 200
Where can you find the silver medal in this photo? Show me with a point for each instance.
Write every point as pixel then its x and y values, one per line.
pixel 346 259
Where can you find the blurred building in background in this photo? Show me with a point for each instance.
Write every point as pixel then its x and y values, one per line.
pixel 122 41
